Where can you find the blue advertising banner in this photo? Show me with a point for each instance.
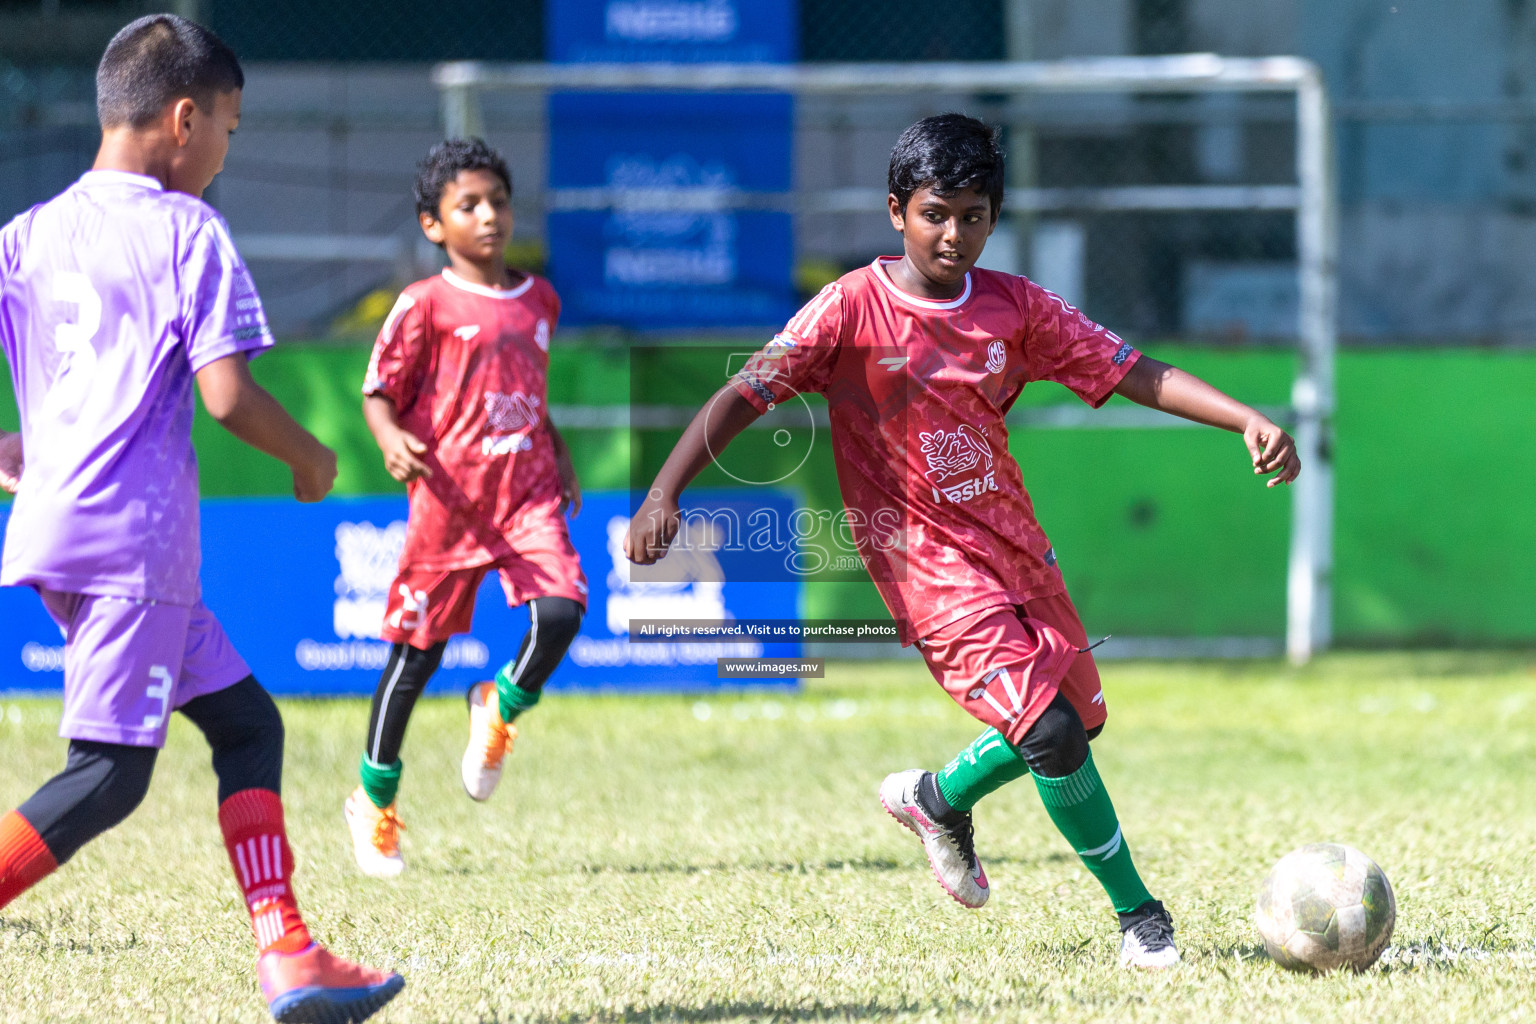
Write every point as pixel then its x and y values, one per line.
pixel 671 252
pixel 301 590
pixel 693 31
pixel 707 266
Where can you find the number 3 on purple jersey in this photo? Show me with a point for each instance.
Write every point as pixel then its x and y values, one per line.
pixel 73 339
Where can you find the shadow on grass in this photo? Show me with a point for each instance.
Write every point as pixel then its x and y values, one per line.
pixel 779 868
pixel 801 867
pixel 48 938
pixel 755 1010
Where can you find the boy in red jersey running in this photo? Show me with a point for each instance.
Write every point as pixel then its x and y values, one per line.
pixel 920 359
pixel 116 296
pixel 456 399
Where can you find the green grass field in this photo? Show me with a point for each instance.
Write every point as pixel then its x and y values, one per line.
pixel 720 859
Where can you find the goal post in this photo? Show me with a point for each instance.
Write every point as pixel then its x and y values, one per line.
pixel 1312 199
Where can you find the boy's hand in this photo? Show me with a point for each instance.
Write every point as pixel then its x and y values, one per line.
pixel 1272 449
pixel 11 462
pixel 314 478
pixel 402 450
pixel 652 529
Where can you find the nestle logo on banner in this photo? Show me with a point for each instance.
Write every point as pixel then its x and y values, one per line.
pixel 648 245
pixel 368 556
pixel 686 584
pixel 671 21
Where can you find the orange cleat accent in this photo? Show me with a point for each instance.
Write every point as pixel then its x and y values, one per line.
pixel 375 835
pixel 490 741
pixel 314 986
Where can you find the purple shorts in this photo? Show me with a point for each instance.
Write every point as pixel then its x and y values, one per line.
pixel 128 664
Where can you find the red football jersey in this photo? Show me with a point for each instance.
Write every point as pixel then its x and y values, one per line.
pixel 466 367
pixel 917 390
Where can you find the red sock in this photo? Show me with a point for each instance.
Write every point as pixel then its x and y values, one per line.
pixel 252 823
pixel 25 859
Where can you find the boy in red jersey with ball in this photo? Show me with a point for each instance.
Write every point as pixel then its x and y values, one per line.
pixel 920 359
pixel 456 399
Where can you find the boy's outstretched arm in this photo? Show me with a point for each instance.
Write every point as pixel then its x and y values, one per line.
pixel 247 410
pixel 402 450
pixel 724 416
pixel 1169 389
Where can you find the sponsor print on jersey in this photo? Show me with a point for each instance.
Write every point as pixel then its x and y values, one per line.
pixel 997 355
pixel 510 418
pixel 962 452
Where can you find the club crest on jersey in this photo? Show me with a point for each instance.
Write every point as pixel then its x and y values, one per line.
pixel 997 355
pixel 963 452
pixel 510 419
pixel 466 332
pixel 541 335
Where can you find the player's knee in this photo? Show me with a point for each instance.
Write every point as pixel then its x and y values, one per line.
pixel 559 621
pixel 126 786
pixel 245 731
pixel 1057 744
pixel 242 715
pixel 114 778
pixel 420 664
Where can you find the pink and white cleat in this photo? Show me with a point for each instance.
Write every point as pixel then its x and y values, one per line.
pixel 950 845
pixel 313 986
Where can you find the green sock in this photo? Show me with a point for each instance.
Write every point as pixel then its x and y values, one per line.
pixel 985 766
pixel 1081 809
pixel 514 699
pixel 380 781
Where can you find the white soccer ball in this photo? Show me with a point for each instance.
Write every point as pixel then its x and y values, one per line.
pixel 1324 907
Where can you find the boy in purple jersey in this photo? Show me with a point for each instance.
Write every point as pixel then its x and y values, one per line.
pixel 115 296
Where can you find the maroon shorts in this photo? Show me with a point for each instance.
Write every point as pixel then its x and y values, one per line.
pixel 1005 664
pixel 427 606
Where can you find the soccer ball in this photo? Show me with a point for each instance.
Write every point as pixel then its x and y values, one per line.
pixel 1326 906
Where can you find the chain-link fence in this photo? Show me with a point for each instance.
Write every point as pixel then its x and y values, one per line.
pixel 1438 201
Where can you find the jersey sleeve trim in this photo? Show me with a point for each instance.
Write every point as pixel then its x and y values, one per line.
pixel 249 332
pixel 373 382
pixel 1125 357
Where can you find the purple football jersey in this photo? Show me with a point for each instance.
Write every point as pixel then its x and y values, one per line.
pixel 113 294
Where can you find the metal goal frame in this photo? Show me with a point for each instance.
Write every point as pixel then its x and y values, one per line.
pixel 1313 198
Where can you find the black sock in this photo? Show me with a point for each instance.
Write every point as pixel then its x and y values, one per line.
pixel 932 800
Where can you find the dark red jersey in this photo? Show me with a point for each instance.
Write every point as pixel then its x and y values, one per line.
pixel 918 390
pixel 466 367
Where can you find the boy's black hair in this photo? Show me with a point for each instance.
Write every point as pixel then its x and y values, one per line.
pixel 947 153
pixel 444 162
pixel 158 59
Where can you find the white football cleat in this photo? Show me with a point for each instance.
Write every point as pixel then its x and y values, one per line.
pixel 951 848
pixel 375 835
pixel 490 741
pixel 1146 938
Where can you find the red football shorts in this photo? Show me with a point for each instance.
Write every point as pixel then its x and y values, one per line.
pixel 1005 664
pixel 427 606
